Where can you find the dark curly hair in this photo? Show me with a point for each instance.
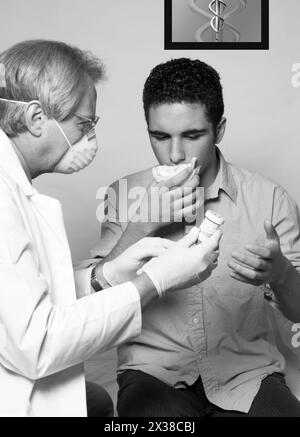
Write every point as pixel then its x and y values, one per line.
pixel 185 80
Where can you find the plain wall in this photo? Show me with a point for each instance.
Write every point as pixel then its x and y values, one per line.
pixel 262 106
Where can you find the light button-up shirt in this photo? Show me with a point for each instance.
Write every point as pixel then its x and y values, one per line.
pixel 220 328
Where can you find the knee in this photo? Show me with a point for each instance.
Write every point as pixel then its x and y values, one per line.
pixel 146 402
pixel 129 407
pixel 99 402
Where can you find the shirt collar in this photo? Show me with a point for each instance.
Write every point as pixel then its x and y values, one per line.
pixel 223 181
pixel 12 166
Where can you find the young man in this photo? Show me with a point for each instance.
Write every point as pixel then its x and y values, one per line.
pixel 47 120
pixel 210 351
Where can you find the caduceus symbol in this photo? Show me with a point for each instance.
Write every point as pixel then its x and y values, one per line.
pixel 218 21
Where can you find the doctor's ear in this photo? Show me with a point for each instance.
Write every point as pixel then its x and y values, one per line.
pixel 220 130
pixel 35 118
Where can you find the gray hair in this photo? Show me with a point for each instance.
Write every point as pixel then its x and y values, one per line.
pixel 54 73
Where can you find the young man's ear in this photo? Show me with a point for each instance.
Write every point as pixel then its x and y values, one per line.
pixel 221 130
pixel 35 118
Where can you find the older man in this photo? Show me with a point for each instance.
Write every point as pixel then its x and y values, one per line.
pixel 47 119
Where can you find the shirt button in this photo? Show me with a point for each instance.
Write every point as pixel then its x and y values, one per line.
pixel 196 320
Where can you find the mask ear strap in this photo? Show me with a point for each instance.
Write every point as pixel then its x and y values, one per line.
pixel 65 136
pixel 26 103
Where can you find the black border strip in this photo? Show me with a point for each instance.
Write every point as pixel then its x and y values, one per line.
pixel 263 45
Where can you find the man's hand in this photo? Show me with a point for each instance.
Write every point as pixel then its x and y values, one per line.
pixel 260 264
pixel 173 200
pixel 124 267
pixel 180 206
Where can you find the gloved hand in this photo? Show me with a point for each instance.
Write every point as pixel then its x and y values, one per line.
pixel 124 267
pixel 185 264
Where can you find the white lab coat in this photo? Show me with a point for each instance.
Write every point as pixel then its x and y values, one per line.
pixel 45 332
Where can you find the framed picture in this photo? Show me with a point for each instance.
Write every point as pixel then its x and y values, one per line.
pixel 216 25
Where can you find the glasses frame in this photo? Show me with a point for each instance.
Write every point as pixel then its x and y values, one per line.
pixel 93 121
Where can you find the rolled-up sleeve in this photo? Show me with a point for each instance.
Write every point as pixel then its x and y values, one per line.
pixel 111 229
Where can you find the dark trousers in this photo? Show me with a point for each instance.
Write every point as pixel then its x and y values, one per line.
pixel 99 403
pixel 142 395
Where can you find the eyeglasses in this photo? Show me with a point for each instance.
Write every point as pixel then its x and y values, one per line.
pixel 89 123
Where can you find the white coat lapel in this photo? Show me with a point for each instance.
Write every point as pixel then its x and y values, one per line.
pixel 48 214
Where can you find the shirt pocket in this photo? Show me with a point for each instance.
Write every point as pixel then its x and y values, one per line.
pixel 221 281
pixel 234 306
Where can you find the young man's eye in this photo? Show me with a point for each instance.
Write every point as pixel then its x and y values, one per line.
pixel 160 137
pixel 193 137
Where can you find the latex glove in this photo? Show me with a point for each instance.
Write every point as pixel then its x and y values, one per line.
pixel 185 264
pixel 124 267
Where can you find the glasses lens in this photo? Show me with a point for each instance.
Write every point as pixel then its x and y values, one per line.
pixel 88 126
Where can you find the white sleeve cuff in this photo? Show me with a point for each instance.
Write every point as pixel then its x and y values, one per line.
pixel 83 282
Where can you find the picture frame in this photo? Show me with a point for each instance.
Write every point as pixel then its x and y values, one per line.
pixel 169 44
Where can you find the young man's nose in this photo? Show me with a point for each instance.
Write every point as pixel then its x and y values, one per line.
pixel 177 154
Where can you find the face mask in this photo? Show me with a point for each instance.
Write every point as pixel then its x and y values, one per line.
pixel 79 156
